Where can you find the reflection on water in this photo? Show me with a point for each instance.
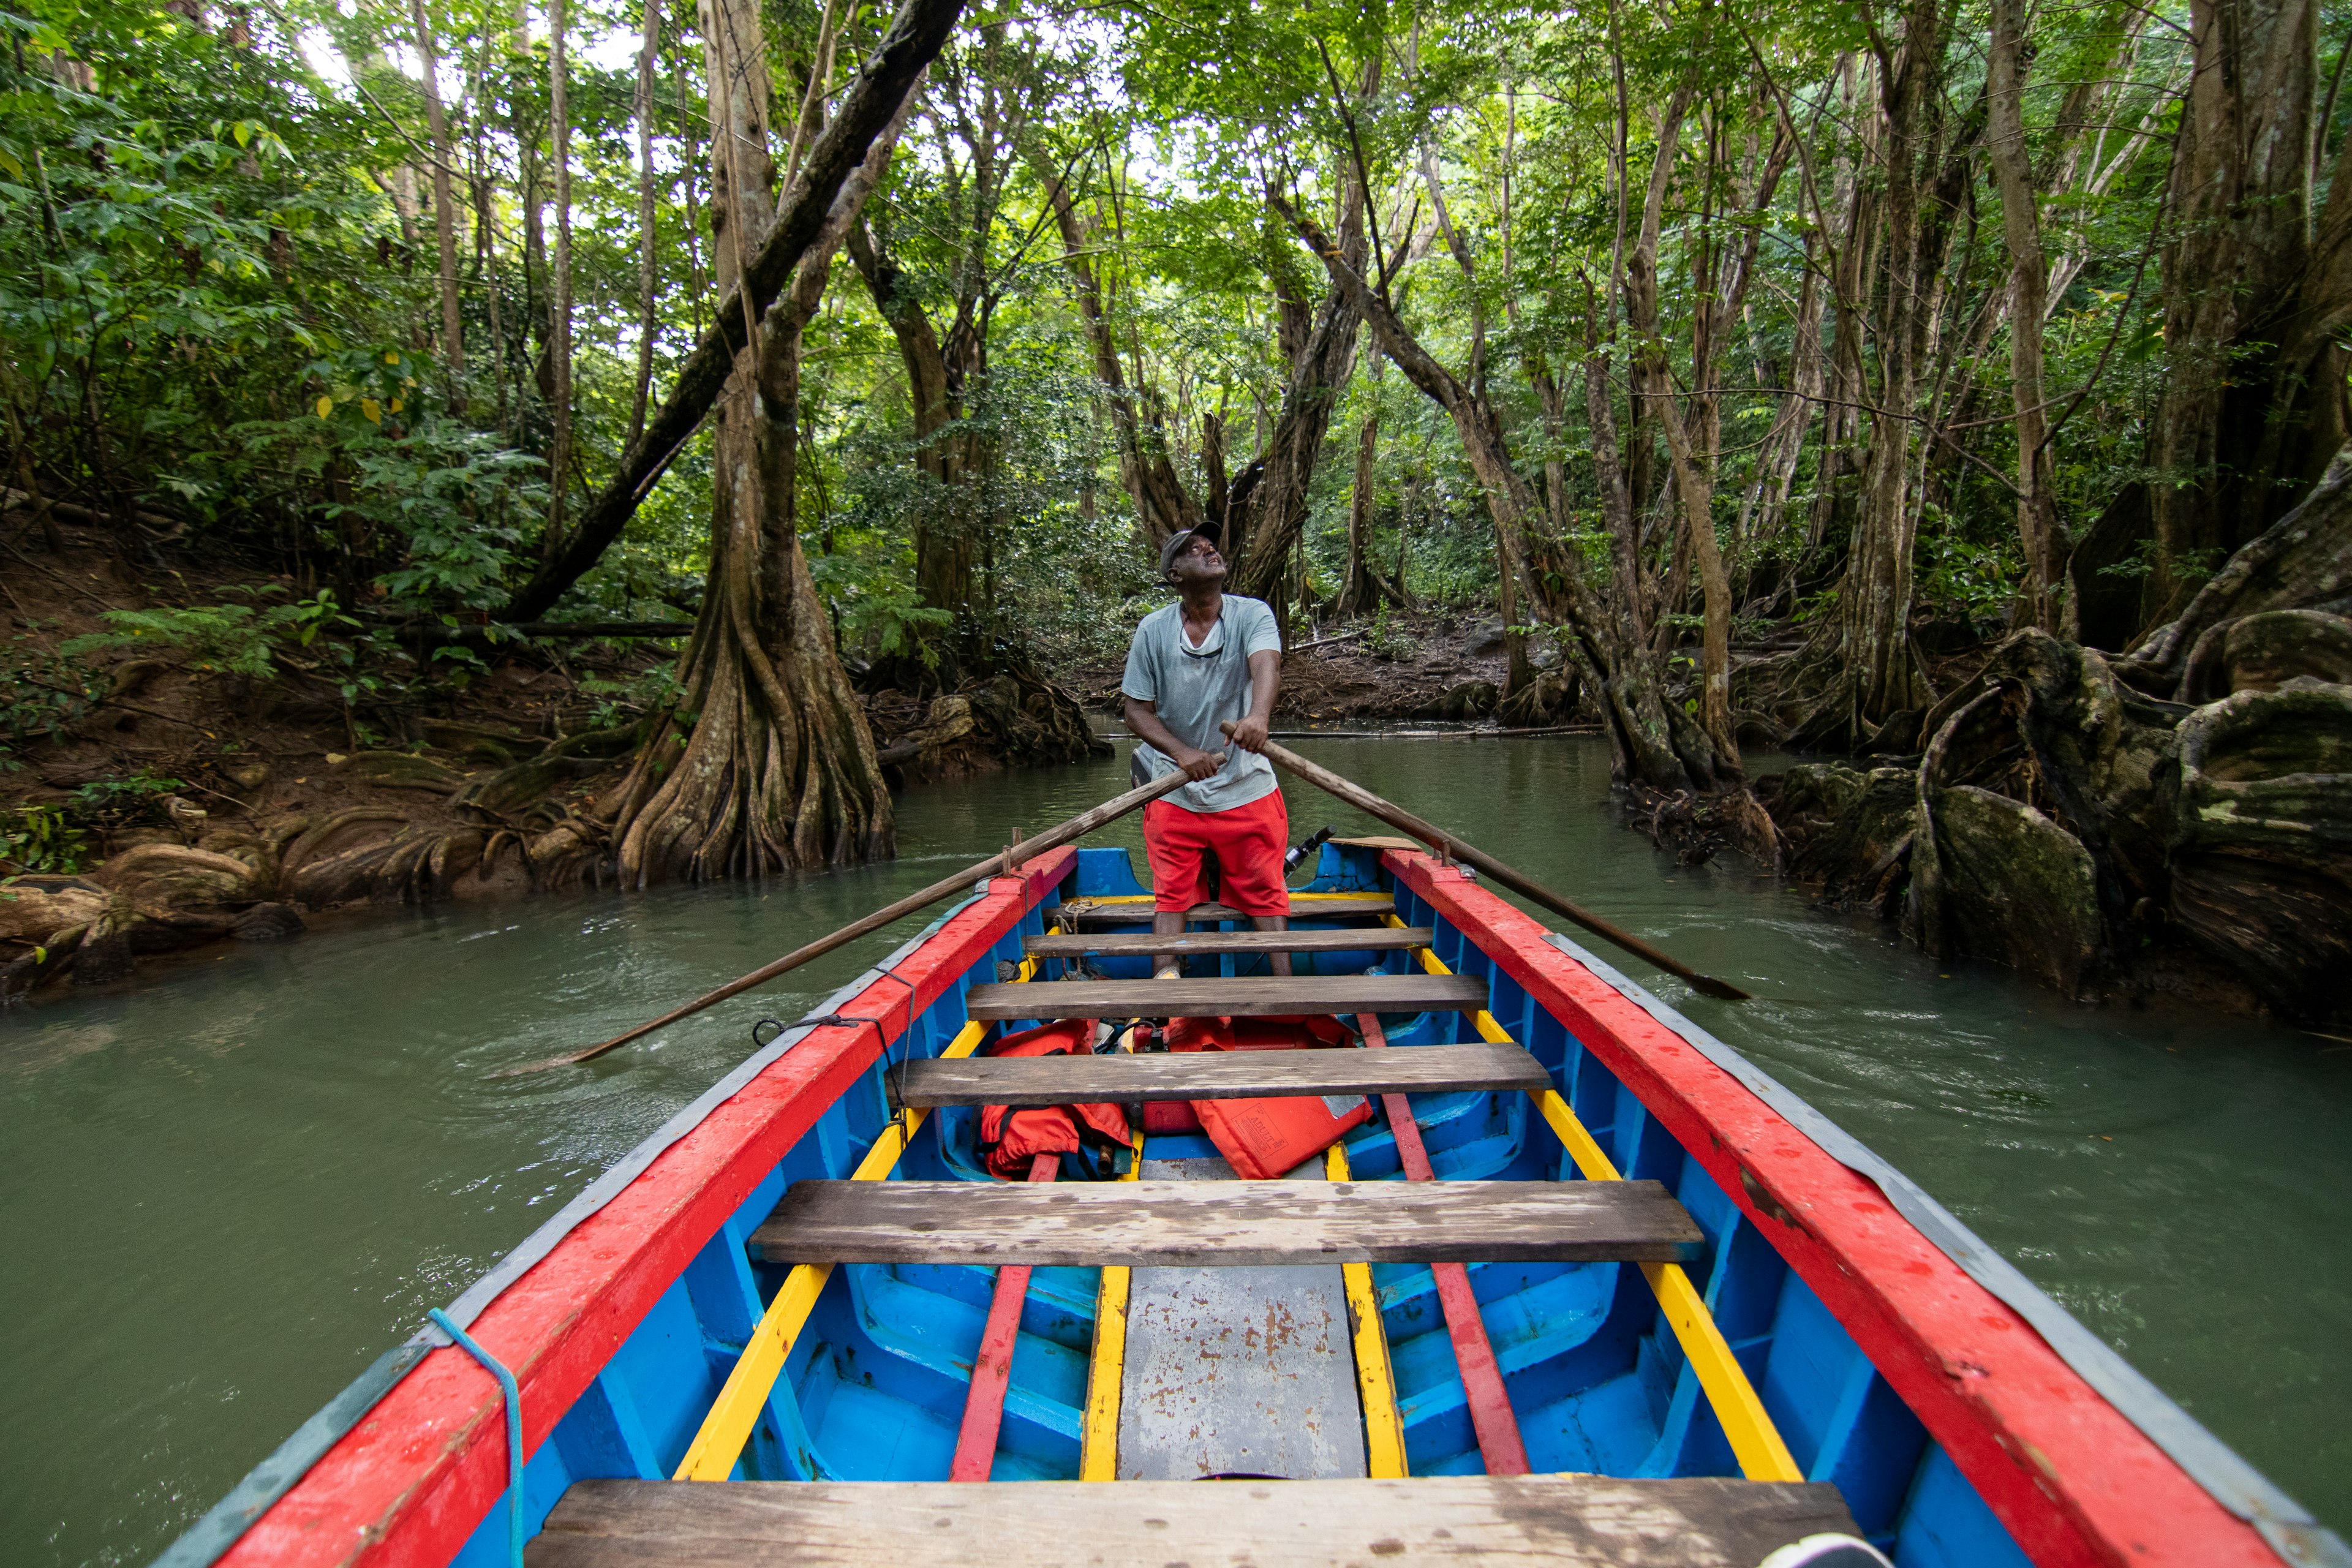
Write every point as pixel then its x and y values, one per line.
pixel 223 1192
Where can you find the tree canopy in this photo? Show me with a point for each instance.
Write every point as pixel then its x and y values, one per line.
pixel 1651 328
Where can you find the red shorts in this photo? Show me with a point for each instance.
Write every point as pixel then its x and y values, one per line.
pixel 1248 841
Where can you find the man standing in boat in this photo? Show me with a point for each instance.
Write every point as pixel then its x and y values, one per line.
pixel 1210 658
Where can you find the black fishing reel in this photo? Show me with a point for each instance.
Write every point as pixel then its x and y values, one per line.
pixel 1314 841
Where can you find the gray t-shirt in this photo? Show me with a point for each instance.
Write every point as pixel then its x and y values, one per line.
pixel 1194 689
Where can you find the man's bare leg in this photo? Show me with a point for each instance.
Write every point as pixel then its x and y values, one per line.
pixel 1278 961
pixel 1168 922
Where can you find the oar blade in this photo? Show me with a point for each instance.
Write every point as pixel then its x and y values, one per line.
pixel 1722 990
pixel 574 1059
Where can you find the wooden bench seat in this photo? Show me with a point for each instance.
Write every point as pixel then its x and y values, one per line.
pixel 1147 1224
pixel 1257 997
pixel 1376 940
pixel 1565 1520
pixel 1327 906
pixel 1215 1075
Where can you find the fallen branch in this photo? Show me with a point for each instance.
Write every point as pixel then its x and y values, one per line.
pixel 1325 642
pixel 435 635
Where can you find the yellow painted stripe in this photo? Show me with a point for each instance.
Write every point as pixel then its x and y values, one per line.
pixel 1754 1441
pixel 1383 1426
pixel 711 1456
pixel 1099 1438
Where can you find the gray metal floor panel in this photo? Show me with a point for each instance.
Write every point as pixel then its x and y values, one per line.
pixel 1238 1371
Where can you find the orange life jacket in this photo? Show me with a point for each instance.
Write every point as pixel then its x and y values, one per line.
pixel 1010 1139
pixel 1263 1139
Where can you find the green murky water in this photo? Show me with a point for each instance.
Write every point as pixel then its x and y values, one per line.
pixel 222 1193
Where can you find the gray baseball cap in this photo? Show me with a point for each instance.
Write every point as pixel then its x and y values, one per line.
pixel 1183 536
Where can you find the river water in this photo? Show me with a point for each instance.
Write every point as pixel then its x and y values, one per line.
pixel 224 1191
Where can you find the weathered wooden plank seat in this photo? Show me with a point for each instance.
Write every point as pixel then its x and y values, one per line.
pixel 1568 1522
pixel 1378 939
pixel 1216 1075
pixel 1226 1224
pixel 1103 912
pixel 1255 998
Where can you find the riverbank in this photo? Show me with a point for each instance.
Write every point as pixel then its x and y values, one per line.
pixel 188 755
pixel 192 766
pixel 193 756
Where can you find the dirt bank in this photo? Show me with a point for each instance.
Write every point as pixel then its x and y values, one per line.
pixel 1417 664
pixel 189 755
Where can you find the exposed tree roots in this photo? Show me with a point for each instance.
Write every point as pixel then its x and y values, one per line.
pixel 2060 821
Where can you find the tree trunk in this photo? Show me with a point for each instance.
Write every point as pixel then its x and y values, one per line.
pixel 559 341
pixel 1697 494
pixel 1876 675
pixel 1767 499
pixel 646 270
pixel 946 526
pixel 1518 671
pixel 1649 380
pixel 1721 293
pixel 530 174
pixel 1853 209
pixel 444 211
pixel 1267 511
pixel 1360 591
pixel 1163 507
pixel 1262 510
pixel 1609 472
pixel 779 770
pixel 1648 744
pixel 2253 406
pixel 2038 529
pixel 874 99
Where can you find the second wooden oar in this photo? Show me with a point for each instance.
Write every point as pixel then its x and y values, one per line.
pixel 1079 826
pixel 1364 800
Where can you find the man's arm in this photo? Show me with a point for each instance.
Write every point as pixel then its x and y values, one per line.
pixel 1266 680
pixel 1143 722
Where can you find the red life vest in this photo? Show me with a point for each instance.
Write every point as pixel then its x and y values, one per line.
pixel 1261 1139
pixel 1010 1139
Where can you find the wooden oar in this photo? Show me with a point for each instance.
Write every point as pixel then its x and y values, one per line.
pixel 1396 816
pixel 1079 826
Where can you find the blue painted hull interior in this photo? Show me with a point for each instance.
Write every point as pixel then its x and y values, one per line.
pixel 874 1390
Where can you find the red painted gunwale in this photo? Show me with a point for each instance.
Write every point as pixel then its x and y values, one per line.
pixel 411 1480
pixel 2075 1481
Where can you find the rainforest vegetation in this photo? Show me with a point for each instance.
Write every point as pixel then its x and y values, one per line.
pixel 1954 381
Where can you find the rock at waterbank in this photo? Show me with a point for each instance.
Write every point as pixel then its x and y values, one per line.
pixel 2010 884
pixel 1846 832
pixel 2261 852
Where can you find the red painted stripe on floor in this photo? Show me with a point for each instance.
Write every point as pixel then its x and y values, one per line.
pixel 991 1369
pixel 1499 1444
